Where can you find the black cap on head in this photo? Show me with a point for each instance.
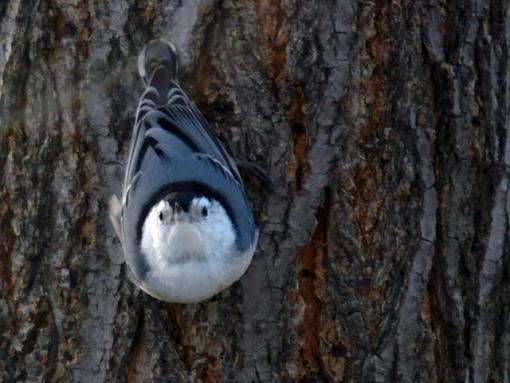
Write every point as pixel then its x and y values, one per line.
pixel 182 198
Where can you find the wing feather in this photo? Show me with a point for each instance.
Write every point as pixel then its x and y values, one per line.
pixel 199 172
pixel 173 148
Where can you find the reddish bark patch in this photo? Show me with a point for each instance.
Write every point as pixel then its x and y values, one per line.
pixel 368 201
pixel 196 347
pixel 368 176
pixel 272 20
pixel 298 167
pixel 274 36
pixel 58 23
pixel 175 316
pixel 311 278
pixel 307 284
pixel 148 16
pixel 176 331
pixel 434 294
pixel 6 248
pixel 210 373
pixel 374 117
pixel 366 205
pixel 85 32
pixel 59 26
pixel 206 70
pixel 136 353
pixel 379 49
pixel 86 230
pixel 430 311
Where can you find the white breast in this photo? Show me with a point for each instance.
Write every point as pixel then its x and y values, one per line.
pixel 190 262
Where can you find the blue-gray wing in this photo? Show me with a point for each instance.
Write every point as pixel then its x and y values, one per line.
pixel 173 149
pixel 165 105
pixel 162 173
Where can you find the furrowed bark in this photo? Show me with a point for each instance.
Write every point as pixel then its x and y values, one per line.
pixel 383 252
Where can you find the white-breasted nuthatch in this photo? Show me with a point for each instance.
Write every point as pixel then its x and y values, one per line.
pixel 185 224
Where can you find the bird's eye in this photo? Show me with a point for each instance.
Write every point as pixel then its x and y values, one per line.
pixel 161 216
pixel 204 212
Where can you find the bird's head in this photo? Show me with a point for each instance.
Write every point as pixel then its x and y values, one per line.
pixel 184 226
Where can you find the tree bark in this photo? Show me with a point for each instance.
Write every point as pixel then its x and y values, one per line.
pixel 384 253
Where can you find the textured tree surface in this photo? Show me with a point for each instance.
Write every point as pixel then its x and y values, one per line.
pixel 384 253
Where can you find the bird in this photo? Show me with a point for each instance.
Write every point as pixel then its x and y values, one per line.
pixel 184 220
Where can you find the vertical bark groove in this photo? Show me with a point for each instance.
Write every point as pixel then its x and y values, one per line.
pixel 384 251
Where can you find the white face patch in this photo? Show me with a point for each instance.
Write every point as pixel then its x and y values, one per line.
pixel 192 253
pixel 199 209
pixel 164 212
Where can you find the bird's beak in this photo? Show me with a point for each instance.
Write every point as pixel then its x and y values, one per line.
pixel 178 212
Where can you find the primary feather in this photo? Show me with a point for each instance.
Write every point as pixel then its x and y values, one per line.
pixel 174 157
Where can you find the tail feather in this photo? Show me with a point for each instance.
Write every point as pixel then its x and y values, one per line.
pixel 158 56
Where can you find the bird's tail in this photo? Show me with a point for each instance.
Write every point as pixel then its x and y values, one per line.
pixel 158 64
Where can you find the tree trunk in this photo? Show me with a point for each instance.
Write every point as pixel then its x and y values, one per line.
pixel 384 253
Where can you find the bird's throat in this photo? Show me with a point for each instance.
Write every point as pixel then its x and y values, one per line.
pixel 182 242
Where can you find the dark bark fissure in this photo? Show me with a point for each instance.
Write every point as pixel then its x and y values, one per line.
pixel 135 350
pixel 311 276
pixel 384 250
